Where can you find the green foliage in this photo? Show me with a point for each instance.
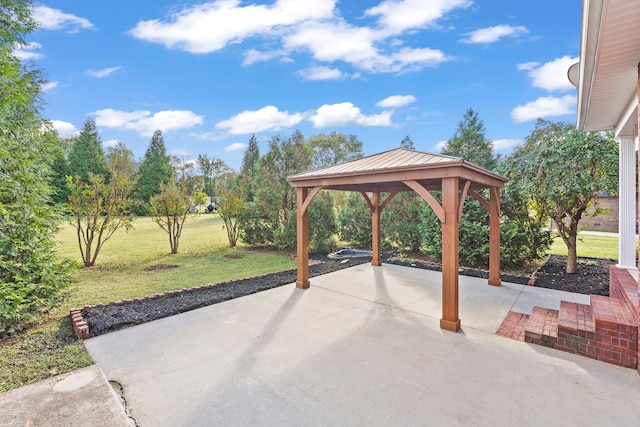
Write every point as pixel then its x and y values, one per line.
pixel 334 148
pixel 400 221
pixel 269 220
pixel 211 168
pixel 323 224
pixel 231 203
pixel 407 142
pixel 169 209
pixel 86 156
pixel 155 170
pixel 355 221
pixel 469 142
pixel 560 171
pixel 249 166
pixel 33 279
pixel 98 208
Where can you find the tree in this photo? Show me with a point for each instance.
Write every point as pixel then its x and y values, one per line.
pixel 169 210
pixel 86 154
pixel 33 278
pixel 469 142
pixel 561 170
pixel 211 168
pixel 231 204
pixel 249 166
pixel 334 148
pixel 407 142
pixel 155 170
pixel 270 219
pixel 99 208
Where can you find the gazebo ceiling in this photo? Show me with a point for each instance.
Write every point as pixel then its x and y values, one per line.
pixel 389 170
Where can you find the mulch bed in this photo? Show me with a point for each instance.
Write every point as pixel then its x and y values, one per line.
pixel 592 277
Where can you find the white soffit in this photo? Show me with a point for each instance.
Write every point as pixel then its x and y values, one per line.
pixel 609 57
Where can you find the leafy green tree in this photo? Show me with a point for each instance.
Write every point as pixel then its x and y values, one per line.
pixel 156 169
pixel 469 142
pixel 169 209
pixel 231 206
pixel 249 166
pixel 323 223
pixel 273 216
pixel 561 170
pixel 407 142
pixel 33 278
pixel 212 169
pixel 400 223
pixel 87 155
pixel 334 148
pixel 98 208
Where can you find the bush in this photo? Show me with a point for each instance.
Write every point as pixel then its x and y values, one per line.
pixel 355 221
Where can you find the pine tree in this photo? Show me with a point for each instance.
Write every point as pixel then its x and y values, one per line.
pixel 87 154
pixel 469 142
pixel 407 142
pixel 155 169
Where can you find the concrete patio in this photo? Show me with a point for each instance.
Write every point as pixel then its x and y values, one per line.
pixel 362 346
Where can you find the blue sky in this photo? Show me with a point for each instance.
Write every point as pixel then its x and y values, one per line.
pixel 210 74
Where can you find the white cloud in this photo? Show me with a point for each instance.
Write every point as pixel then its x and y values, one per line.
pixel 545 107
pixel 503 144
pixel 144 123
pixel 210 26
pixel 362 47
pixel 103 72
pixel 494 34
pixel 48 86
pixel 182 154
pixel 396 101
pixel 64 129
pixel 55 19
pixel 28 51
pixel 236 146
pixel 110 143
pixel 266 118
pixel 401 15
pixel 313 27
pixel 345 114
pixel 552 75
pixel 440 145
pixel 320 73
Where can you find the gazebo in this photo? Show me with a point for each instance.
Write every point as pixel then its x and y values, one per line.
pixel 395 171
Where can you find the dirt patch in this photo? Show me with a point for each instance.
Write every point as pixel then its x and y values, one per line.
pixel 161 267
pixel 234 256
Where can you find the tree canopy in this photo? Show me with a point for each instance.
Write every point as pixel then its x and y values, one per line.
pixel 86 155
pixel 561 170
pixel 470 143
pixel 155 170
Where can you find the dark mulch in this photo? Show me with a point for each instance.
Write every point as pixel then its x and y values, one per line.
pixel 592 277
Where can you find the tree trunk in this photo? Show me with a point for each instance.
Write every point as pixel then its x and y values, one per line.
pixel 572 250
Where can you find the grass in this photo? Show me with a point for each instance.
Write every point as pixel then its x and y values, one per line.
pixel 594 246
pixel 132 264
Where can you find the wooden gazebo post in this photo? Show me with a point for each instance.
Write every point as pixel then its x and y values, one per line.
pixel 450 258
pixel 494 237
pixel 375 229
pixel 302 232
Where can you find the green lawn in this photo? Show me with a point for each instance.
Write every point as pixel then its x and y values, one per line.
pixel 128 267
pixel 594 246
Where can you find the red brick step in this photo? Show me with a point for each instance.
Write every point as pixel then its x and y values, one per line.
pixel 542 327
pixel 513 326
